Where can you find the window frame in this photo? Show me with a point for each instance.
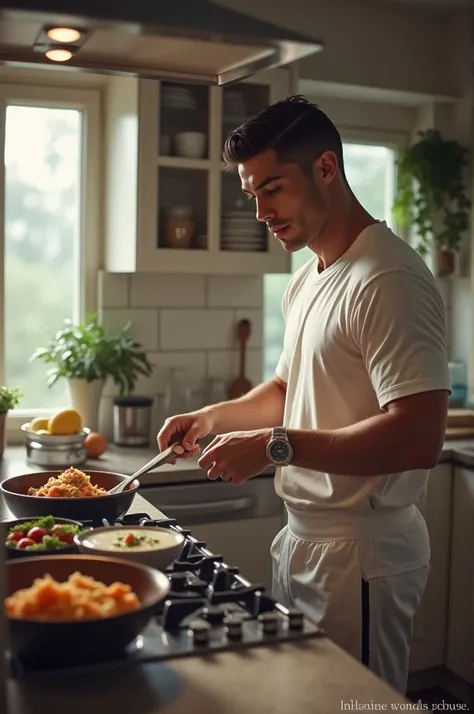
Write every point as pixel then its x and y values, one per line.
pixel 395 140
pixel 89 102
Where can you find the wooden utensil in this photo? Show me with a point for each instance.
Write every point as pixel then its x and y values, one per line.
pixel 241 385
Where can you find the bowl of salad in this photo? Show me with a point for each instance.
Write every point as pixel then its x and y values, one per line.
pixel 48 535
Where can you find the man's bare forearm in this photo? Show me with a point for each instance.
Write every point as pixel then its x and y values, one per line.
pixel 262 407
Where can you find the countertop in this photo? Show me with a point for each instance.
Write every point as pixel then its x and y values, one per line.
pixel 313 676
pixel 123 460
pixel 126 460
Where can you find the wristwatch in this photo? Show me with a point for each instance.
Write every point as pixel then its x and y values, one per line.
pixel 279 449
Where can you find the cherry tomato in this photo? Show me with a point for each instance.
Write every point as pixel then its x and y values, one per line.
pixel 16 536
pixel 24 543
pixel 37 534
pixel 65 536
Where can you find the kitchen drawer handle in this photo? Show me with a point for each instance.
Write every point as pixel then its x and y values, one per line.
pixel 211 507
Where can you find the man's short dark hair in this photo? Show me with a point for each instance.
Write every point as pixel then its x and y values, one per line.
pixel 297 130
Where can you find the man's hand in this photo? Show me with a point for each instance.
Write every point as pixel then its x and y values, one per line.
pixel 188 428
pixel 237 456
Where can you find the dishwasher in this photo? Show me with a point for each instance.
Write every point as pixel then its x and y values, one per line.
pixel 237 522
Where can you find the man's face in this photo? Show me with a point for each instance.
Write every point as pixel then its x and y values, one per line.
pixel 294 205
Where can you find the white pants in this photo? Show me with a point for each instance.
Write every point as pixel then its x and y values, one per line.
pixel 360 580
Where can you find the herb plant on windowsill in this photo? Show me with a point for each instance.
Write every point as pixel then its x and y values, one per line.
pixel 86 355
pixel 432 196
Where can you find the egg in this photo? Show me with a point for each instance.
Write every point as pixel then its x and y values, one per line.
pixel 95 445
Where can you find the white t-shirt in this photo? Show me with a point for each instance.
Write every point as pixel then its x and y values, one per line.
pixel 367 330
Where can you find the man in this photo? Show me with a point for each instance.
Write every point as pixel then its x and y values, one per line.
pixel 355 416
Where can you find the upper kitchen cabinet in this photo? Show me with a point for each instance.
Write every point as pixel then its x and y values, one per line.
pixel 170 204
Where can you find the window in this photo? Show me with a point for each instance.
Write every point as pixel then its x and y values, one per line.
pixel 370 170
pixel 50 230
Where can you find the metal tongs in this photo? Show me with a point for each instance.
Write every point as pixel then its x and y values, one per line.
pixel 163 458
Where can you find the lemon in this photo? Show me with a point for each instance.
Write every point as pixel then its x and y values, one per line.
pixel 43 432
pixel 65 423
pixel 38 423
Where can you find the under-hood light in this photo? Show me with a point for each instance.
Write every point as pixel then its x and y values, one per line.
pixel 58 55
pixel 63 35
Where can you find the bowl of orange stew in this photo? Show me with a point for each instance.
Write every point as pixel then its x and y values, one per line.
pixel 71 493
pixel 74 609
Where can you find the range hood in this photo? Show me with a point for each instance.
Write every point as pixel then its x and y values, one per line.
pixel 181 40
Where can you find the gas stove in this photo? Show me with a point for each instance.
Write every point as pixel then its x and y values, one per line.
pixel 210 608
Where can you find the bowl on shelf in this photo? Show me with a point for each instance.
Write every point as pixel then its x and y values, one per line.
pixel 63 642
pixel 66 534
pixel 92 508
pixel 155 547
pixel 190 144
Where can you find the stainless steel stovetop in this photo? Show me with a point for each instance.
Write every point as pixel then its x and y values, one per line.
pixel 210 608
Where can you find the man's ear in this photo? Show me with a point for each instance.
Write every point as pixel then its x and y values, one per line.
pixel 326 166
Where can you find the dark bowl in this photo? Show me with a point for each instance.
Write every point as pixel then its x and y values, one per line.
pixel 13 553
pixel 57 644
pixel 15 490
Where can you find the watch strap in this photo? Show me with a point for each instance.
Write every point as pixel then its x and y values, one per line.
pixel 279 432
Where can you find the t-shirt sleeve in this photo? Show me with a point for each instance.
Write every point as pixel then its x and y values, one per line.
pixel 399 326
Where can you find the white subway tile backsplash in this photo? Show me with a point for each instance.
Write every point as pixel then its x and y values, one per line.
pixel 193 362
pixel 234 291
pixel 188 322
pixel 114 289
pixel 144 324
pixel 167 290
pixel 196 329
pixel 226 365
pixel 255 317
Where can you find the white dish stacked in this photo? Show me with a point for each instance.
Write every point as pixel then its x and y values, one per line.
pixel 241 231
pixel 175 97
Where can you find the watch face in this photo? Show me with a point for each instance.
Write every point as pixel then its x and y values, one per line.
pixel 280 451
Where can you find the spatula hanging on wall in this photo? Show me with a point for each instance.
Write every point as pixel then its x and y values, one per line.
pixel 241 385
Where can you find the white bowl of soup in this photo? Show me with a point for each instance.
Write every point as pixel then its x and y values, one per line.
pixel 155 547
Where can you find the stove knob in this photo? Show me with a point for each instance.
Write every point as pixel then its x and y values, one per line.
pixel 295 619
pixel 199 631
pixel 233 626
pixel 269 622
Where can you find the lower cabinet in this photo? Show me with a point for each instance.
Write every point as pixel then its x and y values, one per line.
pixel 460 631
pixel 429 636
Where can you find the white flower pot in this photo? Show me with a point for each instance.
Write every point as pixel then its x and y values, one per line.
pixel 85 399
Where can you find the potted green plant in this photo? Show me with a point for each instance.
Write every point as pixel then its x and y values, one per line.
pixel 87 355
pixel 432 196
pixel 9 399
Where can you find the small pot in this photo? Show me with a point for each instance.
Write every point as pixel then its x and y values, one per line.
pixel 445 262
